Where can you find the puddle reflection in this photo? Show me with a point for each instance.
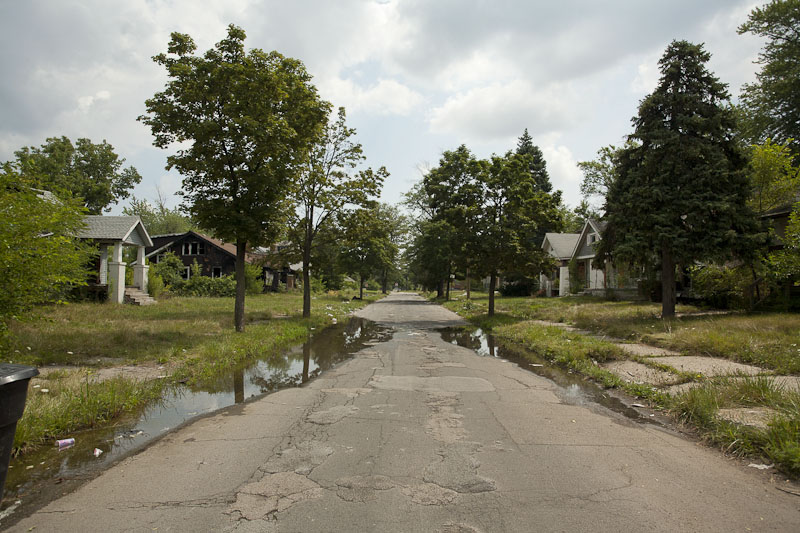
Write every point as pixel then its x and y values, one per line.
pixel 298 365
pixel 575 389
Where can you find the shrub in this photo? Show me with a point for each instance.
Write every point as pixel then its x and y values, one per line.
pixel 518 285
pixel 721 287
pixel 576 282
pixel 155 285
pixel 254 279
pixel 169 269
pixel 207 287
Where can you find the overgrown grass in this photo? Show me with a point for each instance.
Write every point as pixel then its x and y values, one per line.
pixel 68 401
pixel 779 442
pixel 82 333
pixel 770 340
pixel 194 336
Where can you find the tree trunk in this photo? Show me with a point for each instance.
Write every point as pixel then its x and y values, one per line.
pixel 360 287
pixel 306 359
pixel 384 282
pixel 667 283
pixel 447 293
pixel 440 289
pixel 276 279
pixel 468 283
pixel 238 307
pixel 307 277
pixel 492 285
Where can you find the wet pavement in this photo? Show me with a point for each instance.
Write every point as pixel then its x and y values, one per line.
pixel 426 430
pixel 40 477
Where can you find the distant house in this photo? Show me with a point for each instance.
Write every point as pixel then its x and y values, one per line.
pixel 580 248
pixel 113 233
pixel 215 257
pixel 778 219
pixel 594 280
pixel 559 246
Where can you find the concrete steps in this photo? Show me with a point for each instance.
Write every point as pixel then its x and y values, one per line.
pixel 137 296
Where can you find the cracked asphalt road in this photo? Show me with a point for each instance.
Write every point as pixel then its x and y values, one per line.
pixel 415 434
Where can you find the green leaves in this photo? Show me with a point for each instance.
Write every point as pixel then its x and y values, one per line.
pixel 772 104
pixel 85 170
pixel 40 258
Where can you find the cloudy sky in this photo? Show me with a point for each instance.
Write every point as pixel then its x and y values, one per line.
pixel 416 76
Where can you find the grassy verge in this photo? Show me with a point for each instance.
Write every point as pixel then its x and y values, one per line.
pixel 67 401
pixel 192 336
pixel 768 340
pixel 771 340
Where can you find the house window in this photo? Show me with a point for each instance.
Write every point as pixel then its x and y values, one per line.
pixel 216 272
pixel 592 238
pixel 158 258
pixel 187 273
pixel 194 248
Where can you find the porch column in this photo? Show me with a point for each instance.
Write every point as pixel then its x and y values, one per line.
pixel 563 281
pixel 102 278
pixel 117 271
pixel 140 270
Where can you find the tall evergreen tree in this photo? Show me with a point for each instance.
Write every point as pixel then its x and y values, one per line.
pixel 537 166
pixel 681 195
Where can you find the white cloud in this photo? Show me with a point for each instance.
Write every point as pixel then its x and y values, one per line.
pixel 647 76
pixel 386 97
pixel 564 172
pixel 501 111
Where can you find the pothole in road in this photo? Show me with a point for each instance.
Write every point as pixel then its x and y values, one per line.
pixel 574 388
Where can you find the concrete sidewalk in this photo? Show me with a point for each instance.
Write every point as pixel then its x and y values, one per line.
pixel 416 434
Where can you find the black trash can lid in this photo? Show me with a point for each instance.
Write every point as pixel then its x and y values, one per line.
pixel 10 373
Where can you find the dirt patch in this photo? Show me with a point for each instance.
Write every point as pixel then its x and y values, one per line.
pixel 144 372
pixel 639 373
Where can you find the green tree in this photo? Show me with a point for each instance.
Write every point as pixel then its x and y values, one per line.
pixel 249 119
pixel 40 258
pixel 514 211
pixel 774 179
pixel 85 170
pixel 600 173
pixel 367 248
pixel 682 194
pixel 451 193
pixel 772 103
pixel 537 166
pixel 159 219
pixel 327 184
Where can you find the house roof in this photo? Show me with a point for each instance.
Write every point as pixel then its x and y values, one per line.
pixel 563 243
pixel 224 246
pixel 125 229
pixel 581 249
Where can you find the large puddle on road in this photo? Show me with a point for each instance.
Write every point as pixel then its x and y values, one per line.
pixel 39 477
pixel 575 389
